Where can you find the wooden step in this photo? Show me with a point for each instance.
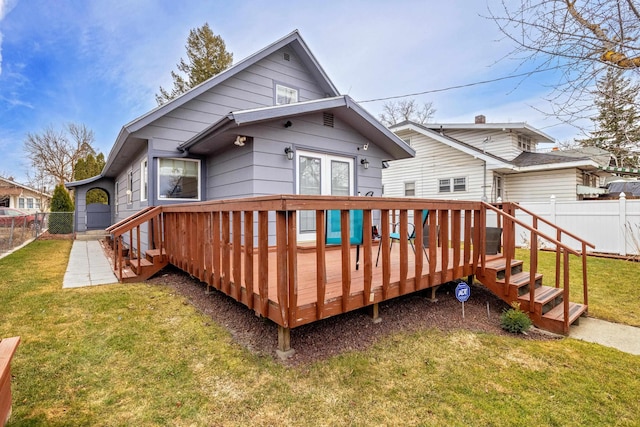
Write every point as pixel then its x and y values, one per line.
pixel 544 299
pixel 155 254
pixel 521 282
pixel 553 320
pixel 143 264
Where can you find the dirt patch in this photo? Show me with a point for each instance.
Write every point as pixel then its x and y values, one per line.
pixel 48 236
pixel 350 331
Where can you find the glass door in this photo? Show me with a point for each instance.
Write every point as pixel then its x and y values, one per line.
pixel 320 174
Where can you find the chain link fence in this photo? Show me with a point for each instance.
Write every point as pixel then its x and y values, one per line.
pixel 16 231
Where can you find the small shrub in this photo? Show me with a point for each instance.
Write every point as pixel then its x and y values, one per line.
pixel 515 320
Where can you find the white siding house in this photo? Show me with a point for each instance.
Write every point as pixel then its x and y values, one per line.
pixel 489 161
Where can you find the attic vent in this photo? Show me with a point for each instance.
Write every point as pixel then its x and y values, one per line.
pixel 287 57
pixel 327 119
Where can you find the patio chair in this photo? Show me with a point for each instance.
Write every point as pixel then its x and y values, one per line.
pixel 333 234
pixel 395 237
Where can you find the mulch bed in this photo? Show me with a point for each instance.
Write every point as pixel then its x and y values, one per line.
pixel 350 331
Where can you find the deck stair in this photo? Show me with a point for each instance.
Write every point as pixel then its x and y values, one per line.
pixel 150 264
pixel 547 309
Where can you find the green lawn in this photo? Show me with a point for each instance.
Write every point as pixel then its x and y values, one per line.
pixel 139 355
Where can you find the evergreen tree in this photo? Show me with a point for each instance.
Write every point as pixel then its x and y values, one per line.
pixel 61 220
pixel 206 56
pixel 618 121
pixel 88 167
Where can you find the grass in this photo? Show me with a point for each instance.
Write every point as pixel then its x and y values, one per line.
pixel 140 355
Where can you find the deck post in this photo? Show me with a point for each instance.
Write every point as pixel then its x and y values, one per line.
pixel 375 313
pixel 284 350
pixel 433 294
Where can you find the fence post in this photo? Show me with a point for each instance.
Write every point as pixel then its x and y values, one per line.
pixel 622 244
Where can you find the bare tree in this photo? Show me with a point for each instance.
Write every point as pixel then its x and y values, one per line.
pixel 53 154
pixel 581 39
pixel 407 109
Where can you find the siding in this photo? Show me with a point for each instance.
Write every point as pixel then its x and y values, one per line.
pixel 434 161
pixel 540 186
pixel 251 88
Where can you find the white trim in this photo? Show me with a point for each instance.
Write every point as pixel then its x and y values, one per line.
pixel 199 179
pixel 144 180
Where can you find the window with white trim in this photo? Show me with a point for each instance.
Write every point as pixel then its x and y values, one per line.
pixel 117 192
pixel 410 189
pixel 144 180
pixel 286 95
pixel 179 179
pixel 524 143
pixel 448 185
pixel 29 202
pixel 130 187
pixel 21 203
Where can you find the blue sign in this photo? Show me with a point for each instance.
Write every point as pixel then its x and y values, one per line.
pixel 463 292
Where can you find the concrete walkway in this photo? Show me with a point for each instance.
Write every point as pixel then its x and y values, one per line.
pixel 88 266
pixel 623 337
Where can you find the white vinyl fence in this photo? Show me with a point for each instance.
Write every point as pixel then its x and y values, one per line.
pixel 612 225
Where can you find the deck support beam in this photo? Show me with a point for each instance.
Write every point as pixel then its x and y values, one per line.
pixel 284 350
pixel 375 313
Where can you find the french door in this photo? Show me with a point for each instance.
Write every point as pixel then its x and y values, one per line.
pixel 320 174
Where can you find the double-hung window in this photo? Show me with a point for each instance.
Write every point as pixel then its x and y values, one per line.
pixel 448 185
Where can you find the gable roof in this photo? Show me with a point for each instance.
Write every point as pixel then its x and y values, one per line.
pixel 7 183
pixel 293 39
pixel 342 107
pixel 521 127
pixel 525 162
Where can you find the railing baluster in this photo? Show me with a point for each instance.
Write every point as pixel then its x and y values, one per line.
pixel 237 255
pixel 444 242
pixel 345 247
pixel 404 250
pixel 455 242
pixel 386 261
pixel 419 244
pixel 367 255
pixel 226 252
pixel 292 259
pixel 281 268
pixel 248 256
pixel 217 242
pixel 321 268
pixel 263 261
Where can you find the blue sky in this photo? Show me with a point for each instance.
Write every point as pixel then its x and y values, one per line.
pixel 101 62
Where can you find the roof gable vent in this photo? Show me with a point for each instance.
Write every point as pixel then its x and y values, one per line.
pixel 327 119
pixel 286 57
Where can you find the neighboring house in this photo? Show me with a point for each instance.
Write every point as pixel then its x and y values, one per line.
pixel 491 161
pixel 18 196
pixel 271 124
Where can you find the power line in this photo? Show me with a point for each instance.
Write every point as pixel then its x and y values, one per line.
pixel 462 85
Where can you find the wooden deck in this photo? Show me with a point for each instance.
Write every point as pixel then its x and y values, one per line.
pixel 306 287
pixel 248 249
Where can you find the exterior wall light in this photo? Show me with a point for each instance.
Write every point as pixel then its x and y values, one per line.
pixel 365 163
pixel 289 152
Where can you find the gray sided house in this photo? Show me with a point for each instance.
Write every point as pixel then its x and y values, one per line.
pixel 271 124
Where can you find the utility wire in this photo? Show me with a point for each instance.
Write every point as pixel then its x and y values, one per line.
pixel 444 89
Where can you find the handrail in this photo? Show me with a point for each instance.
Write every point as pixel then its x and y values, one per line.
pixel 129 218
pixel 549 223
pixel 530 228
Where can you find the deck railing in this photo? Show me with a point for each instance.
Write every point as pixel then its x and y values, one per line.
pixel 506 217
pixel 249 249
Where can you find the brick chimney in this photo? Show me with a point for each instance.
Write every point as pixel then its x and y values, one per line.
pixel 480 119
